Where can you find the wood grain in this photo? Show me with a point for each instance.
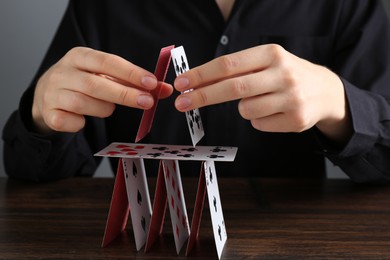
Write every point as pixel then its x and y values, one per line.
pixel 265 219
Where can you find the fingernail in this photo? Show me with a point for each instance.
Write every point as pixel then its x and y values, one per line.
pixel 181 83
pixel 145 101
pixel 182 103
pixel 149 82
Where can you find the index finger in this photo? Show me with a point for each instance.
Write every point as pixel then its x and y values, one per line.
pixel 242 62
pixel 99 62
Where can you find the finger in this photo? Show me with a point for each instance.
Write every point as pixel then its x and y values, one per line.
pixel 277 123
pixel 253 84
pixel 242 62
pixel 166 90
pixel 111 65
pixel 262 106
pixel 78 103
pixel 108 90
pixel 64 121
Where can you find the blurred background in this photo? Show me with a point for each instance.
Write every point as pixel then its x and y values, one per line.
pixel 26 29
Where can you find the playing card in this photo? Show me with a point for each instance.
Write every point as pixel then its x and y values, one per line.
pixel 138 197
pixel 160 73
pixel 215 206
pixel 197 214
pixel 169 152
pixel 176 202
pixel 119 209
pixel 194 121
pixel 159 209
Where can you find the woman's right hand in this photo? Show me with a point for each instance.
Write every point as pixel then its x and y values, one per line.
pixel 90 82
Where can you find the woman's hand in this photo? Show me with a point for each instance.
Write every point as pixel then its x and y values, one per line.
pixel 90 82
pixel 278 91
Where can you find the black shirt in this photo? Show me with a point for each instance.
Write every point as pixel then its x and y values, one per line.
pixel 350 37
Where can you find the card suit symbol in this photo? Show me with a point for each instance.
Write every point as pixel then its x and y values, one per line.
pixel 177 231
pixel 122 146
pixel 139 197
pixel 143 223
pixel 167 173
pixel 178 213
pixel 187 155
pixel 129 151
pixel 218 149
pixel 172 202
pixel 214 156
pixel 220 232
pixel 191 122
pixel 173 152
pixel 161 148
pixel 215 203
pixel 210 175
pixel 135 172
pixel 198 121
pixel 178 194
pixel 183 64
pixel 155 155
pixel 190 149
pixel 177 68
pixel 139 147
pixel 173 184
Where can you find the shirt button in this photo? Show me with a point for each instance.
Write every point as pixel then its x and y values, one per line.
pixel 224 40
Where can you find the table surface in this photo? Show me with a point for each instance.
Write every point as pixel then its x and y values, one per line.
pixel 265 219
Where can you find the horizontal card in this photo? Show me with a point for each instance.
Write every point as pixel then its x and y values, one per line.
pixel 169 152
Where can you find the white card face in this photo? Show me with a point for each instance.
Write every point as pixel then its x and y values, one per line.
pixel 176 201
pixel 139 199
pixel 169 152
pixel 218 222
pixel 180 63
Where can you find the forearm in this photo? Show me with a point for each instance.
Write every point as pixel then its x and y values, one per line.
pixel 28 156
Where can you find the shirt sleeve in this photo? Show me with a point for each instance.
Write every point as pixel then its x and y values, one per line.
pixel 33 157
pixel 363 61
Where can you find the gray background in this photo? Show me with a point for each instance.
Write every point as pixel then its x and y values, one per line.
pixel 26 29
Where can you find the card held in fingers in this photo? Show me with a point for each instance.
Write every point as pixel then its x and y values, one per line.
pixel 160 73
pixel 194 121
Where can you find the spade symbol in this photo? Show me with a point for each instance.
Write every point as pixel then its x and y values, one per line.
pixel 177 69
pixel 134 170
pixel 139 197
pixel 219 232
pixel 183 64
pixel 215 203
pixel 211 175
pixel 143 223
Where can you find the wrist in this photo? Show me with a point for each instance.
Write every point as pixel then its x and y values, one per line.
pixel 38 123
pixel 336 125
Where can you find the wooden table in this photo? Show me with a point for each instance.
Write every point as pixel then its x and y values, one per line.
pixel 265 219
